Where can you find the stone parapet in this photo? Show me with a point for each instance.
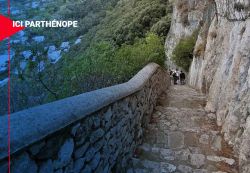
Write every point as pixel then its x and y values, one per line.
pixel 92 132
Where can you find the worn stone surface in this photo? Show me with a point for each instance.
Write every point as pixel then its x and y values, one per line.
pixel 185 169
pixel 222 72
pixel 197 160
pixel 221 159
pixel 216 145
pixel 189 148
pixel 175 140
pixel 221 63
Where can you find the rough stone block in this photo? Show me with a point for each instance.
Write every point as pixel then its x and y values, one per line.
pixel 46 167
pixel 23 163
pixel 90 154
pixel 65 153
pixel 176 140
pixel 80 151
pixel 96 135
pixel 197 160
pixel 95 161
pixel 87 169
pixel 79 164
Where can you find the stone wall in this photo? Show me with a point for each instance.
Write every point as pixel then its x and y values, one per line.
pixel 93 132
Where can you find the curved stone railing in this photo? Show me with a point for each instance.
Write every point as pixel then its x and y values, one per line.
pixel 95 131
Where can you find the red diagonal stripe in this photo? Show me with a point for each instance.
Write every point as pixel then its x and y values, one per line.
pixel 6 28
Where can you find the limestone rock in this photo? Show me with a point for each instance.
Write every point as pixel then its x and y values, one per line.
pixel 65 46
pixel 95 161
pixel 216 145
pixel 87 169
pixel 197 160
pixel 38 39
pixel 90 154
pixel 74 129
pixel 78 41
pixel 65 153
pixel 221 159
pixel 79 164
pixel 200 171
pixel 166 167
pixel 27 54
pixel 46 167
pixel 96 135
pixel 185 169
pixel 53 54
pixel 204 139
pixel 80 151
pixel 176 140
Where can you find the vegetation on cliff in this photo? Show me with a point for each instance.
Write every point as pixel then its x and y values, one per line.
pixel 183 52
pixel 118 38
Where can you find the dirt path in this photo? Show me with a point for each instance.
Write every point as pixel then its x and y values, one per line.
pixel 182 138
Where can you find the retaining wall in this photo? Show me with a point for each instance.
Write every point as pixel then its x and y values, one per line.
pixel 92 132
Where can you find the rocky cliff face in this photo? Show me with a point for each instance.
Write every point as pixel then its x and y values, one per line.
pixel 220 67
pixel 187 17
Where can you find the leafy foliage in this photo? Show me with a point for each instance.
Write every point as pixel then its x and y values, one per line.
pixel 102 64
pixel 183 52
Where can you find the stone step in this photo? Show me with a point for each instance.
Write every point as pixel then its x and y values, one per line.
pixel 188 156
pixel 182 138
pixel 162 154
pixel 149 166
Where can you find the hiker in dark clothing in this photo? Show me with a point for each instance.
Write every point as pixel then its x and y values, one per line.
pixel 182 78
pixel 175 77
pixel 171 76
pixel 171 72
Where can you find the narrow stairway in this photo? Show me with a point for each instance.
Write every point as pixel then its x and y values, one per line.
pixel 183 138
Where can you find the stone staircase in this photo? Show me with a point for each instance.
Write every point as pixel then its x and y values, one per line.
pixel 183 138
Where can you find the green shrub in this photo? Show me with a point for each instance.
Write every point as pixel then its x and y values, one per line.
pixel 103 64
pixel 162 27
pixel 183 52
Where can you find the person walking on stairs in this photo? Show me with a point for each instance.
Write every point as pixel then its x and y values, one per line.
pixel 175 77
pixel 171 72
pixel 182 78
